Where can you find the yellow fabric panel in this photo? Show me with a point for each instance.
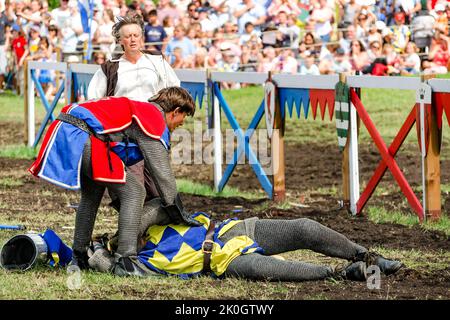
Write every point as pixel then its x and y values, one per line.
pixel 222 257
pixel 155 233
pixel 187 260
pixel 228 226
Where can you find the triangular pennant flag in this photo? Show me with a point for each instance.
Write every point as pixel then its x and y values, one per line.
pixel 442 102
pixel 196 90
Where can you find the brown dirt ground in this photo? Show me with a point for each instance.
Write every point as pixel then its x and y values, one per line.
pixel 303 177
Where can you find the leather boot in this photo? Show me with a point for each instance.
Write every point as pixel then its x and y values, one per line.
pixel 80 259
pixel 125 267
pixel 386 266
pixel 355 271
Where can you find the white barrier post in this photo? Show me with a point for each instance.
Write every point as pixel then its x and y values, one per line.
pixel 217 136
pixel 353 159
pixel 30 107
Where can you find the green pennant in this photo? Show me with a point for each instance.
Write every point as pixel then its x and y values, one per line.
pixel 342 113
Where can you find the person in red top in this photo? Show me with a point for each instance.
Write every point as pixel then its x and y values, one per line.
pixel 18 46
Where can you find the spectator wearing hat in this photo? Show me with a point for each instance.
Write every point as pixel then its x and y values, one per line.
pixel 441 23
pixel 229 62
pixel 401 32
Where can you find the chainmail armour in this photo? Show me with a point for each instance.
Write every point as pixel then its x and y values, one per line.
pixel 278 236
pixel 131 194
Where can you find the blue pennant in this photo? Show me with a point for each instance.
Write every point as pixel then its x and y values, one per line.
pixel 297 96
pixel 196 90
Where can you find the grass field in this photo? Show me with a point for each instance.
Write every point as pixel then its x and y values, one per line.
pixel 388 109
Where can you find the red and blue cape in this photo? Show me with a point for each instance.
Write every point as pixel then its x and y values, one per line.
pixel 59 159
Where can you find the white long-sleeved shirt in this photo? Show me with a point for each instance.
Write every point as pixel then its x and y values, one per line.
pixel 138 81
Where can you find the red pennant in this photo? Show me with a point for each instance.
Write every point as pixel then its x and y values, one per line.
pixel 442 102
pixel 322 97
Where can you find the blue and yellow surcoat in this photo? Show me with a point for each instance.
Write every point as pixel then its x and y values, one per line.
pixel 177 249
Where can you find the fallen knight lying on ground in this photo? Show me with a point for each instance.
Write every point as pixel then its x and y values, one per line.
pixel 240 248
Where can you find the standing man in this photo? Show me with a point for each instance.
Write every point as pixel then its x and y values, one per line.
pixel 135 75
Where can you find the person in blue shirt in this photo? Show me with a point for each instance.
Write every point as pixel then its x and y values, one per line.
pixel 154 32
pixel 180 41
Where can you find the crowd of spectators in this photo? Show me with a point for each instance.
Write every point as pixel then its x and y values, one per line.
pixel 287 36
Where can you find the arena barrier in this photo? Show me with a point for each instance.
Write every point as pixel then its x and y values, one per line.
pixel 335 96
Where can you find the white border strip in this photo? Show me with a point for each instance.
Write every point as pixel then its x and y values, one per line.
pixel 186 75
pixel 84 68
pixel 57 66
pixel 305 81
pixel 440 85
pixel 241 77
pixel 384 82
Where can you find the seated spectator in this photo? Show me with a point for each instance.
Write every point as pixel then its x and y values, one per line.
pixel 285 62
pixel 180 41
pixel 348 36
pixel 393 60
pixel 374 35
pixel 103 34
pixel 178 61
pixel 326 58
pixel 289 31
pixel 401 32
pixel 250 56
pixel 168 26
pixel 378 63
pixel 348 9
pixel 439 54
pixel 277 6
pixel 358 56
pixel 248 33
pixel 441 23
pixel 229 62
pixel 411 63
pixel 206 23
pixel 249 11
pixel 167 9
pixel 341 63
pixel 267 60
pixel 311 43
pixel 309 66
pixel 99 57
pixel 374 51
